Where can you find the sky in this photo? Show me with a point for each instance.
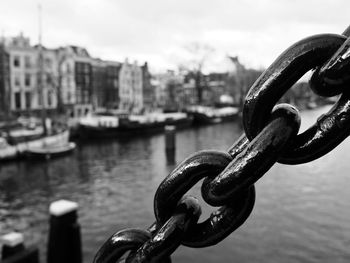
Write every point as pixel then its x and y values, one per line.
pixel 160 31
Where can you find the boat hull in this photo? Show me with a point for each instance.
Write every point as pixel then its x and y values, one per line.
pixel 207 115
pixel 15 152
pixel 127 128
pixel 50 152
pixel 202 119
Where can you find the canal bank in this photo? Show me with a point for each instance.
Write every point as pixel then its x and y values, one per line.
pixel 301 213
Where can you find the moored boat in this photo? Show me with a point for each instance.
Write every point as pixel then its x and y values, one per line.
pixel 101 126
pixel 153 122
pixel 48 151
pixel 13 151
pixel 210 115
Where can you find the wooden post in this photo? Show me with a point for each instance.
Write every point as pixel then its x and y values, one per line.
pixel 64 244
pixel 14 251
pixel 170 143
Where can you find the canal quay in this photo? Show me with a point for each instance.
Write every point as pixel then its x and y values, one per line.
pixel 301 212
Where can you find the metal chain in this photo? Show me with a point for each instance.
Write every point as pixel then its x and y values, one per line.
pixel 271 135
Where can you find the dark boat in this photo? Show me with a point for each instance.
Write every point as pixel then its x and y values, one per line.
pixel 210 115
pixel 103 126
pixel 50 151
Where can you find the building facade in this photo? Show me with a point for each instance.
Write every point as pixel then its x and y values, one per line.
pixel 190 91
pixel 215 87
pixel 66 77
pixel 4 83
pixel 130 87
pixel 169 89
pixel 75 80
pixel 27 95
pixel 147 89
pixel 111 89
pixel 105 83
pixel 98 83
pixel 68 80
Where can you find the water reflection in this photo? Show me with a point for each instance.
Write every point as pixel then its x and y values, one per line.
pixel 301 213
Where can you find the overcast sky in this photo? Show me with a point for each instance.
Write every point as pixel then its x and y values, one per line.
pixel 158 30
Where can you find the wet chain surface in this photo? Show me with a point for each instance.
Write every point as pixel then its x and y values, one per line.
pixel 271 135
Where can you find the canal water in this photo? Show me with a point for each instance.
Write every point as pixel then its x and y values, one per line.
pixel 301 214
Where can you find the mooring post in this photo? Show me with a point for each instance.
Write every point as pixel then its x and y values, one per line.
pixel 64 244
pixel 170 143
pixel 14 251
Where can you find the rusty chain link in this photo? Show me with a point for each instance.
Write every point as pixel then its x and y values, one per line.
pixel 271 135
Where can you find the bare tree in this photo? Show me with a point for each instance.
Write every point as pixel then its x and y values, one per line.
pixel 198 55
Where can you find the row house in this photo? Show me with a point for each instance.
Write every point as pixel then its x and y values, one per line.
pixel 75 80
pixel 148 95
pixel 105 83
pixel 176 92
pixel 215 88
pixel 190 92
pixel 130 88
pixel 83 87
pixel 111 89
pixel 87 83
pixel 169 93
pixel 212 86
pixel 33 85
pixel 98 83
pixel 68 79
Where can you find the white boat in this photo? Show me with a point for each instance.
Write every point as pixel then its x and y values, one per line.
pixel 7 152
pixel 11 152
pixel 50 151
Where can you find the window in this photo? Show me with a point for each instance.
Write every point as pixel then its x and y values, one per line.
pixel 28 98
pixel 17 80
pixel 49 98
pixel 86 97
pixel 17 100
pixel 78 97
pixel 40 100
pixel 16 61
pixel 27 62
pixel 86 68
pixel 69 70
pixel 69 97
pixel 49 79
pixel 80 79
pixel 27 80
pixel 48 62
pixel 87 80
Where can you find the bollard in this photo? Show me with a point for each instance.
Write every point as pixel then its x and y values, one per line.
pixel 14 251
pixel 170 143
pixel 64 244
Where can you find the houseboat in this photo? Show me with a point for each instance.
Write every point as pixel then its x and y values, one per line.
pixel 210 115
pixel 102 125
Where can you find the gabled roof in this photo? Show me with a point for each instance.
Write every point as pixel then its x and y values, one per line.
pixel 79 51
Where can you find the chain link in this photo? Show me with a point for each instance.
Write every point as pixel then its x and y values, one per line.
pixel 256 159
pixel 170 234
pixel 333 73
pixel 271 135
